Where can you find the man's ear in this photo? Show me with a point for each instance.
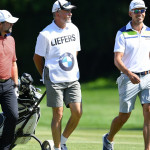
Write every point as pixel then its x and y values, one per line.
pixel 130 13
pixel 57 13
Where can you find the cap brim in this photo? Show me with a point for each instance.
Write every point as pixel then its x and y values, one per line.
pixel 12 20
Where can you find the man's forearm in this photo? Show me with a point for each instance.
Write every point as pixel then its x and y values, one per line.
pixel 39 63
pixel 15 73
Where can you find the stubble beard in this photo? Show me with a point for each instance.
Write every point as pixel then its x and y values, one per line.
pixel 9 30
pixel 69 21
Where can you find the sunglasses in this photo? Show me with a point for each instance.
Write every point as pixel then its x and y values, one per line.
pixel 64 6
pixel 136 11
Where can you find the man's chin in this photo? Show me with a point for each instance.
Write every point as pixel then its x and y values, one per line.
pixel 69 21
pixel 8 31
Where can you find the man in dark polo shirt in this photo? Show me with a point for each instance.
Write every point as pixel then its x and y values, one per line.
pixel 8 79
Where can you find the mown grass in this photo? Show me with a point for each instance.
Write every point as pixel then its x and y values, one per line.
pixel 100 105
pixel 90 139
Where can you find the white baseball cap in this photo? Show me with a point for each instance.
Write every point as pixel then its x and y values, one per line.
pixel 6 16
pixel 62 5
pixel 137 4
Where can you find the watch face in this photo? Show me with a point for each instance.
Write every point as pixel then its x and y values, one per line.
pixel 66 61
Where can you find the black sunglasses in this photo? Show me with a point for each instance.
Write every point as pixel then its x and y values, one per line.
pixel 136 11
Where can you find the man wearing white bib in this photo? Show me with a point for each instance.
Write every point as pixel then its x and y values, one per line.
pixel 56 60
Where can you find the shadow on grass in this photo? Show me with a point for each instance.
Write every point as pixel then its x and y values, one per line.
pixel 133 129
pixel 123 129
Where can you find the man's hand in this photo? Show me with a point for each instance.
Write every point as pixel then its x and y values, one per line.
pixel 16 91
pixel 134 78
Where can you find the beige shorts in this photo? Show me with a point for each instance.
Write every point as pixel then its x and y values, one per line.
pixel 57 93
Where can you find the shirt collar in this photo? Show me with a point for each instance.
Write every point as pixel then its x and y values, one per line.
pixel 8 34
pixel 129 27
pixel 55 26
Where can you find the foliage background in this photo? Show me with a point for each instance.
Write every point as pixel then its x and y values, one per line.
pixel 98 22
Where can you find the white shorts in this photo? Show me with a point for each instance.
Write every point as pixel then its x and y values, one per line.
pixel 128 92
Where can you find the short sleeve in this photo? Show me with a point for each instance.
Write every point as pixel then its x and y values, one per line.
pixel 41 45
pixel 78 41
pixel 14 50
pixel 119 42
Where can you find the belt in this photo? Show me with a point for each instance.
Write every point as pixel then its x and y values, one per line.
pixel 3 80
pixel 142 73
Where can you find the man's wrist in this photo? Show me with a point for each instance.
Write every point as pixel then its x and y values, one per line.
pixel 16 85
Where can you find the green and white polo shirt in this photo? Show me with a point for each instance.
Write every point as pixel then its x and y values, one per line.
pixel 135 46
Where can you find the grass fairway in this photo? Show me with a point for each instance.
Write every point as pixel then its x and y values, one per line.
pixel 100 106
pixel 85 139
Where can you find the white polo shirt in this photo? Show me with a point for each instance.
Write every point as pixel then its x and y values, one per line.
pixel 135 46
pixel 59 47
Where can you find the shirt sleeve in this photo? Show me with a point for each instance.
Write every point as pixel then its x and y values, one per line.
pixel 119 42
pixel 41 45
pixel 14 51
pixel 78 41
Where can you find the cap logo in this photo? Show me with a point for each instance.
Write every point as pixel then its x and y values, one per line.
pixel 6 16
pixel 136 3
pixel 62 5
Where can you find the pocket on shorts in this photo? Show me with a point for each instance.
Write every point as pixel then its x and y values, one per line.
pixel 46 74
pixel 147 81
pixel 120 80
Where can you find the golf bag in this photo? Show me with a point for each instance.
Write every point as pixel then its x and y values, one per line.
pixel 29 113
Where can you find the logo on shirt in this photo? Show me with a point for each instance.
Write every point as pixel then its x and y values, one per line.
pixel 63 39
pixel 66 62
